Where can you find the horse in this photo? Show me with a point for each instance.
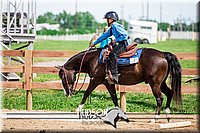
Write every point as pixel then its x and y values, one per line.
pixel 153 68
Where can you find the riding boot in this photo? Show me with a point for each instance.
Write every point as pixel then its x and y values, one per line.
pixel 115 76
pixel 113 61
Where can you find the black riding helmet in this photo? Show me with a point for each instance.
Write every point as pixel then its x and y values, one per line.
pixel 111 15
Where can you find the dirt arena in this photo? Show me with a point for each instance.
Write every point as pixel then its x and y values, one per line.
pixel 136 123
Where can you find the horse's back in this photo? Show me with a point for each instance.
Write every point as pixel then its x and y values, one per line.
pixel 150 52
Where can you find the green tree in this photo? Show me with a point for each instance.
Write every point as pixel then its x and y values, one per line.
pixel 163 26
pixel 62 19
pixel 85 22
pixel 47 18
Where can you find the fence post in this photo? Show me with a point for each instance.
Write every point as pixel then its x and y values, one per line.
pixel 123 97
pixel 28 78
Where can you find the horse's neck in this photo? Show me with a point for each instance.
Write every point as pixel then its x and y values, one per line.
pixel 74 63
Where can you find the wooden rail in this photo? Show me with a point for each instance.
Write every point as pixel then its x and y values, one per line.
pixel 28 69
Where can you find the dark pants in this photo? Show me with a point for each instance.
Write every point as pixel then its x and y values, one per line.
pixel 118 49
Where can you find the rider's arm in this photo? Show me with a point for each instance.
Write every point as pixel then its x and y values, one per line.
pixel 121 34
pixel 93 38
pixel 102 37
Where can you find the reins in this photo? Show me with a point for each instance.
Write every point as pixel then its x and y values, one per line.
pixel 80 72
pixel 59 67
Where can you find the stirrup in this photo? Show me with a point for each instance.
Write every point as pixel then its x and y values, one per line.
pixel 109 80
pixel 109 77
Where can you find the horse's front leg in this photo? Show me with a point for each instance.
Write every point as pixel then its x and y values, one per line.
pixel 111 89
pixel 91 87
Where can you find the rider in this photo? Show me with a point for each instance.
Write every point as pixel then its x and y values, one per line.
pixel 121 38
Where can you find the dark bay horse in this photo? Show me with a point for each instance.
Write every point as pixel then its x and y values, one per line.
pixel 153 68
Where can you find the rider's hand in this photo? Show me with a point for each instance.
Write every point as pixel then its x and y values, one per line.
pixel 113 41
pixel 92 45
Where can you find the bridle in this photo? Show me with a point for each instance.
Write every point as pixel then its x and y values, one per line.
pixel 65 74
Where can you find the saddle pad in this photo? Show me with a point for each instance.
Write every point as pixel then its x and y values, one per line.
pixel 132 60
pixel 125 61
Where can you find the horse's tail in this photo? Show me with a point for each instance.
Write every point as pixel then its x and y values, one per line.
pixel 174 68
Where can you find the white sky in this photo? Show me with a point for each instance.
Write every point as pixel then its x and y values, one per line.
pixel 132 9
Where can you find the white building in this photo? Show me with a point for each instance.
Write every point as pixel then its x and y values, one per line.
pixel 47 26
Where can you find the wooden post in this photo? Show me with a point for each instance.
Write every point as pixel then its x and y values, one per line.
pixel 123 98
pixel 28 79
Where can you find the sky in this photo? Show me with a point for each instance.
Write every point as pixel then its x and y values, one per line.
pixel 127 9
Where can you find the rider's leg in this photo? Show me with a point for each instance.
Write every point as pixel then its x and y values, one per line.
pixel 113 60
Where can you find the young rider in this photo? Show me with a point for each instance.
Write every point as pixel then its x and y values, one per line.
pixel 121 38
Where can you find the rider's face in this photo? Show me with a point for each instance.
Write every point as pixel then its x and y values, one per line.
pixel 109 21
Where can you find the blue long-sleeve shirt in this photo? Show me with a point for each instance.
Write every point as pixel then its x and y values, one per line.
pixel 104 42
pixel 117 30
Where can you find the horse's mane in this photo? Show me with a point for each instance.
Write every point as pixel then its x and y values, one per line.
pixel 80 55
pixel 83 52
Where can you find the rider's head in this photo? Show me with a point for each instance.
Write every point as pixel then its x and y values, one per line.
pixel 111 17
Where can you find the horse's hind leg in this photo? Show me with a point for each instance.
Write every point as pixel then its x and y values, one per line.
pixel 159 98
pixel 169 94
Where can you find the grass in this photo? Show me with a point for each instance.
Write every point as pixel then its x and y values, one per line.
pixel 189 63
pixel 57 45
pixel 46 77
pixel 171 46
pixel 60 45
pixel 55 100
pixel 174 46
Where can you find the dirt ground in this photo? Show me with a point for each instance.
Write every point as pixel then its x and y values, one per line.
pixel 142 125
pixel 136 124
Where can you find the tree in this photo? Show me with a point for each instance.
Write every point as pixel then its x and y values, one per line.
pixel 163 26
pixel 47 18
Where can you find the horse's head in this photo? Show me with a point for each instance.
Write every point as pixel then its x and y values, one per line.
pixel 68 78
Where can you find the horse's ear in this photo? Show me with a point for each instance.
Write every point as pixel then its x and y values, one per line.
pixel 59 67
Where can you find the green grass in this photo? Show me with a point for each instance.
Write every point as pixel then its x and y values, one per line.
pixel 170 46
pixel 189 63
pixel 55 100
pixel 61 45
pixel 174 46
pixel 46 77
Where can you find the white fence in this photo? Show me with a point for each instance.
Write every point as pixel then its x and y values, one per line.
pixel 188 35
pixel 162 36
